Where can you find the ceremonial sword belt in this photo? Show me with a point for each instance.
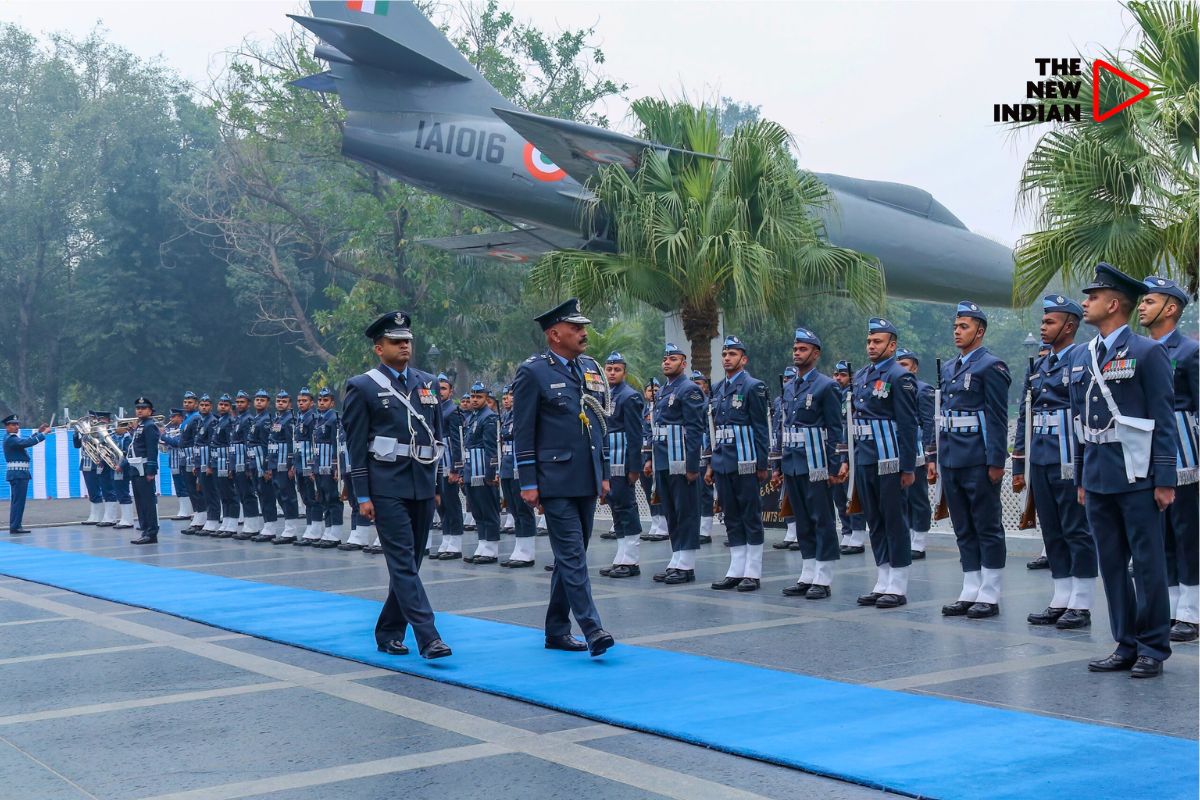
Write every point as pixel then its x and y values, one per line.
pixel 386 448
pixel 883 433
pixel 811 440
pixel 1186 470
pixel 742 438
pixel 618 443
pixel 674 437
pixel 18 465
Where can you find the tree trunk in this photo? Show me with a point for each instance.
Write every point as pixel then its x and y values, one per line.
pixel 701 323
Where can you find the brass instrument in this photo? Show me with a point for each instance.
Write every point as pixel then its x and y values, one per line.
pixel 95 440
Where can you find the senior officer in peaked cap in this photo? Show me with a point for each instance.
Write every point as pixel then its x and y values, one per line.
pixel 1048 469
pixel 1122 398
pixel 17 471
pixel 560 398
pixel 971 456
pixel 141 458
pixel 1159 313
pixel 394 440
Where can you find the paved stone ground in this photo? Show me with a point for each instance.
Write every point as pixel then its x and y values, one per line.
pixel 105 701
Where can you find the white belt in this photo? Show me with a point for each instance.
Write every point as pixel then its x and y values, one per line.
pixel 384 448
pixel 660 431
pixel 138 463
pixel 960 422
pixel 1106 436
pixel 862 431
pixel 1045 420
pixel 18 465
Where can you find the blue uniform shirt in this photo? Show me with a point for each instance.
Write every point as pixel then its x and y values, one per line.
pixel 739 411
pixel 324 441
pixel 809 426
pixel 15 457
pixel 280 442
pixel 1184 353
pixel 625 431
pixel 885 417
pixel 974 411
pixel 678 430
pixel 1052 439
pixel 508 460
pixel 480 435
pixel 142 444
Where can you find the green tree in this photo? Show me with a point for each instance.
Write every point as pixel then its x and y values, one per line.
pixel 1125 190
pixel 698 234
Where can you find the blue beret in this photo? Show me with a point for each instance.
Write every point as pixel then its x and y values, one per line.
pixel 791 372
pixel 805 336
pixel 1157 285
pixel 325 392
pixel 444 377
pixel 225 398
pixel 478 386
pixel 655 382
pixel 261 393
pixel 11 419
pixel 189 395
pixel 282 394
pixel 393 325
pixel 967 308
pixel 673 350
pixel 1109 277
pixel 1058 302
pixel 733 343
pixel 466 396
pixel 178 412
pixel 566 311
pixel 508 388
pixel 881 325
pixel 904 352
pixel 242 393
pixel 304 390
pixel 204 398
pixel 842 366
pixel 697 375
pixel 614 358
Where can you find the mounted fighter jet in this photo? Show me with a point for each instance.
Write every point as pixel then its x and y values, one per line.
pixel 416 109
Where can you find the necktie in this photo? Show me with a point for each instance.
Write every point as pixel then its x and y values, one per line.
pixel 1053 360
pixel 575 370
pixel 1101 352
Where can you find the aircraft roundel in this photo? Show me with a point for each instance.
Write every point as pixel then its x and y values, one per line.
pixel 611 157
pixel 508 255
pixel 541 167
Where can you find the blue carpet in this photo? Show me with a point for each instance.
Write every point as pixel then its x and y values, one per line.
pixel 906 743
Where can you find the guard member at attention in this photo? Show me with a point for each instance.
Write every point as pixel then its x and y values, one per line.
pixel 258 466
pixel 394 440
pixel 854 526
pixel 17 471
pixel 482 435
pixel 1159 313
pixel 809 428
pixel 708 491
pixel 916 503
pixel 524 527
pixel 1048 469
pixel 559 398
pixel 282 471
pixel 141 465
pixel 740 449
pixel 678 432
pixel 884 442
pixel 326 432
pixel 971 456
pixel 1122 402
pixel 450 473
pixel 624 467
pixel 302 455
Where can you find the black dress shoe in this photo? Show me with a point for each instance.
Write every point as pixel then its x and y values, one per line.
pixel 349 546
pixel 625 571
pixel 184 531
pixel 1048 617
pixel 511 564
pixel 372 550
pixel 917 555
pixel 105 524
pixel 817 592
pixel 726 583
pixel 659 577
pixel 852 549
pixel 749 585
pixel 447 555
pixel 983 610
pixel 1041 562
pixel 509 529
pixel 1184 632
pixel 796 590
pixel 85 522
pixel 242 536
pixel 327 544
pixel 781 545
pixel 468 527
pixel 705 539
pixel 869 599
pixel 287 540
pixel 218 534
pixel 436 649
pixel 608 535
pixel 16 531
pixel 1074 618
pixel 599 641
pixel 565 642
pixel 300 541
pixel 890 600
pixel 480 560
pixel 1146 667
pixel 395 647
pixel 680 576
pixel 145 540
pixel 604 571
pixel 1113 663
pixel 956 609
pixel 549 567
pixel 726 543
pixel 268 537
pixel 794 546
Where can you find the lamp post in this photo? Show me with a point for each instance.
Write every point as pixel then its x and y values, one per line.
pixel 434 355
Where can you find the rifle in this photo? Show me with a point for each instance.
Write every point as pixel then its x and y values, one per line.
pixel 941 510
pixel 853 503
pixel 785 502
pixel 500 458
pixel 654 498
pixel 712 443
pixel 1029 513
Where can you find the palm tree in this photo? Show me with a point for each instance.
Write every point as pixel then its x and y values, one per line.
pixel 698 235
pixel 1124 190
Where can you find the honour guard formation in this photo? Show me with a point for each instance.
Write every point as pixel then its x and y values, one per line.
pixel 1104 453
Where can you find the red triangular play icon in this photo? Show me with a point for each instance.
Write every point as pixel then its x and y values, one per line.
pixel 1099 116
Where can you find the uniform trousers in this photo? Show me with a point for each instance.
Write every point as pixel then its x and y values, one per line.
pixel 882 501
pixel 569 521
pixel 1182 536
pixel 403 527
pixel 92 481
pixel 918 512
pixel 681 504
pixel 708 494
pixel 266 497
pixel 308 493
pixel 485 505
pixel 656 509
pixel 1070 548
pixel 285 493
pixel 974 505
pixel 226 489
pixel 523 522
pixel 121 487
pixel 1129 525
pixel 245 481
pixel 18 488
pixel 106 480
pixel 329 499
pixel 180 481
pixel 812 508
pixel 850 522
pixel 451 510
pixel 145 501
pixel 742 507
pixel 212 497
pixel 622 500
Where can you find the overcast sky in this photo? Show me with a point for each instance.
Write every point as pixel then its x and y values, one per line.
pixel 898 91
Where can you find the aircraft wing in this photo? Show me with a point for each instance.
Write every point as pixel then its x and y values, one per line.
pixel 580 150
pixel 516 246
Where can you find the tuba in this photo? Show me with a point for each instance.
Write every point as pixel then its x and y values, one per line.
pixel 96 442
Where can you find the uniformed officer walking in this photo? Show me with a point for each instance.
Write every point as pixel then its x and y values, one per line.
pixel 624 467
pixel 1122 398
pixel 739 464
pixel 1159 313
pixel 89 473
pixel 141 464
pixel 916 497
pixel 560 401
pixel 17 469
pixel 971 452
pixel 482 435
pixel 808 431
pixel 394 440
pixel 678 433
pixel 1048 469
pixel 884 441
pixel 524 527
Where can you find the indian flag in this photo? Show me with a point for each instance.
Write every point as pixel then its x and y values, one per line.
pixel 379 7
